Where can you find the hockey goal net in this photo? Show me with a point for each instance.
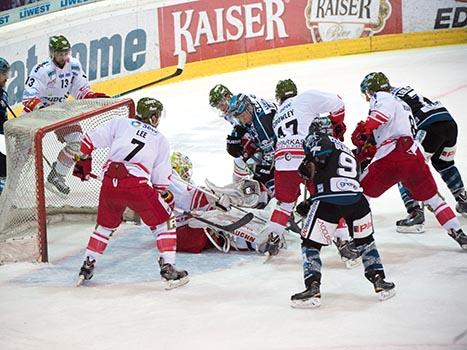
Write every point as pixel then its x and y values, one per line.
pixel 32 140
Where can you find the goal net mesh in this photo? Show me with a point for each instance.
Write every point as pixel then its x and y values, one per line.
pixel 33 143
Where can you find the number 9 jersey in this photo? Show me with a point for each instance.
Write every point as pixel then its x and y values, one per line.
pixel 140 146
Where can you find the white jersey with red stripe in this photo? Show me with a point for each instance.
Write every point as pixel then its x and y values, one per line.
pixel 187 197
pixel 140 146
pixel 291 124
pixel 394 118
pixel 53 84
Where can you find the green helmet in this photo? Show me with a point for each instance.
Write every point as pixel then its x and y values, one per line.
pixel 147 107
pixel 375 81
pixel 285 89
pixel 217 93
pixel 58 43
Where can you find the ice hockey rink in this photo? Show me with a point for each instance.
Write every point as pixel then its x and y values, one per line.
pixel 236 300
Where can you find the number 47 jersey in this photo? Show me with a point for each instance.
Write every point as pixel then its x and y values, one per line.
pixel 292 122
pixel 140 146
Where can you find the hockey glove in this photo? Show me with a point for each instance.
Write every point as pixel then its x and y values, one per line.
pixel 92 94
pixel 83 168
pixel 303 208
pixel 33 104
pixel 359 135
pixel 307 169
pixel 234 146
pixel 338 130
pixel 263 172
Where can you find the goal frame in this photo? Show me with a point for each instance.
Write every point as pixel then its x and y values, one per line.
pixel 39 160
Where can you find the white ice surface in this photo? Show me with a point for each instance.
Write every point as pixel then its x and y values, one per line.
pixel 236 301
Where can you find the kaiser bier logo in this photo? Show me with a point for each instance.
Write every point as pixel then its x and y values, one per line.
pixel 330 20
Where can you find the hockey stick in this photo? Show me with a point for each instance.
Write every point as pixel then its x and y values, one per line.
pixel 178 71
pixel 230 227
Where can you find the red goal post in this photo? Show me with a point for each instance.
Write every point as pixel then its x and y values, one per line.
pixel 33 142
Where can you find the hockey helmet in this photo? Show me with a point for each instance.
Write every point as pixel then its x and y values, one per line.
pixel 217 94
pixel 58 43
pixel 318 148
pixel 374 82
pixel 147 108
pixel 182 165
pixel 239 104
pixel 285 89
pixel 4 65
pixel 321 124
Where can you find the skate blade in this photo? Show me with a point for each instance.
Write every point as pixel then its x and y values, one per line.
pixel 311 303
pixel 54 190
pixel 80 281
pixel 386 294
pixel 172 284
pixel 411 229
pixel 351 264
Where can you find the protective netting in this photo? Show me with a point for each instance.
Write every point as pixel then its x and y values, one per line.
pixel 21 200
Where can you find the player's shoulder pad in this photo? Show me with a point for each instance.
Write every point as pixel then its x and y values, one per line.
pixel 43 68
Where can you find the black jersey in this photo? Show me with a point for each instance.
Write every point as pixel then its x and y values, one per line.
pixel 336 180
pixel 424 110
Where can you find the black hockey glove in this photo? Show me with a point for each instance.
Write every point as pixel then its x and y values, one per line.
pixel 303 208
pixel 234 141
pixel 263 172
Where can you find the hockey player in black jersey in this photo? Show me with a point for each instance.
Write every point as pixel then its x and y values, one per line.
pixel 333 169
pixel 437 132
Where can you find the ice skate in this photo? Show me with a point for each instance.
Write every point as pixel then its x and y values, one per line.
pixel 56 183
pixel 413 223
pixel 86 271
pixel 348 253
pixel 310 298
pixel 385 290
pixel 172 277
pixel 461 206
pixel 460 237
pixel 273 244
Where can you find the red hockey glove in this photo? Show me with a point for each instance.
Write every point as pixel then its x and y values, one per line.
pixel 169 198
pixel 365 154
pixel 33 104
pixel 83 168
pixel 338 130
pixel 92 94
pixel 359 135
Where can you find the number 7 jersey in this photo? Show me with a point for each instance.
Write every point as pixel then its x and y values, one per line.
pixel 140 146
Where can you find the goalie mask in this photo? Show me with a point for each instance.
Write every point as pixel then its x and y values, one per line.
pixel 149 110
pixel 182 165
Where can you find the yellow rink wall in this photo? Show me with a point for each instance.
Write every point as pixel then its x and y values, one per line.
pixel 289 54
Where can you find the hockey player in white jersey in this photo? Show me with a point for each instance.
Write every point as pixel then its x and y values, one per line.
pixel 291 126
pixel 136 175
pixel 399 158
pixel 53 81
